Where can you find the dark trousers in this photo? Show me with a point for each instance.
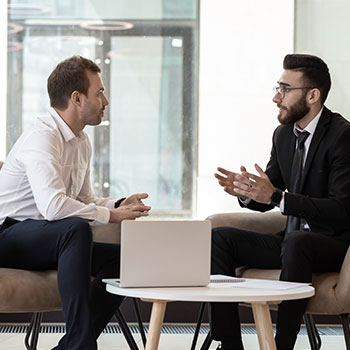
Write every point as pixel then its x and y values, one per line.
pixel 299 254
pixel 66 246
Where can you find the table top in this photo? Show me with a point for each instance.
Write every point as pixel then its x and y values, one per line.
pixel 214 292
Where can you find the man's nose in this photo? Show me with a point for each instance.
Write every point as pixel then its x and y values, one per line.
pixel 277 98
pixel 105 102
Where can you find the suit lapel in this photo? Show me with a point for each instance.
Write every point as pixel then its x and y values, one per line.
pixel 316 139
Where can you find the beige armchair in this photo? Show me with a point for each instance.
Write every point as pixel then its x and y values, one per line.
pixel 36 291
pixel 332 290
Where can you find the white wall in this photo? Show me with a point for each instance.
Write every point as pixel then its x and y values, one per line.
pixel 323 29
pixel 242 45
pixel 3 74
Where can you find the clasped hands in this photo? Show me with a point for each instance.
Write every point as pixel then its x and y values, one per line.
pixel 130 208
pixel 246 185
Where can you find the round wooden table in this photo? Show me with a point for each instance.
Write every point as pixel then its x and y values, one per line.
pixel 214 292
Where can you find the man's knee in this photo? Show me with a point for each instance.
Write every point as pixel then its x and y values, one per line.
pixel 78 229
pixel 296 244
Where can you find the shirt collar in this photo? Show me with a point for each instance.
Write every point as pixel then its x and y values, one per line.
pixel 311 127
pixel 65 130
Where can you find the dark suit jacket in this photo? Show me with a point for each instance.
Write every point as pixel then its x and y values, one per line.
pixel 324 201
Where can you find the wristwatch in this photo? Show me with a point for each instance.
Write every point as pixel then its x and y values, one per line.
pixel 118 202
pixel 276 197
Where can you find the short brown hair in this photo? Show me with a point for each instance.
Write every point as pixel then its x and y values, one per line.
pixel 68 76
pixel 315 71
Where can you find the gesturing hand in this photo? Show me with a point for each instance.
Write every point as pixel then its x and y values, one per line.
pixel 128 212
pixel 258 187
pixel 227 178
pixel 134 199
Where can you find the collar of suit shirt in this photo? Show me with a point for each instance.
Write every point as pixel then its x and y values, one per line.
pixel 65 130
pixel 311 127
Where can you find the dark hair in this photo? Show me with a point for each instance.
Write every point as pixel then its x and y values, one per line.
pixel 68 76
pixel 315 71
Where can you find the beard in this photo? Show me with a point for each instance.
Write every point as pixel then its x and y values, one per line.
pixel 295 112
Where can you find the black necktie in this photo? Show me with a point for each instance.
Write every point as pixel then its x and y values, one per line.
pixel 293 222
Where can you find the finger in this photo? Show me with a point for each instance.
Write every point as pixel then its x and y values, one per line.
pixel 219 177
pixel 138 214
pixel 224 171
pixel 259 170
pixel 142 196
pixel 241 193
pixel 146 208
pixel 242 186
pixel 251 176
pixel 243 179
pixel 139 207
pixel 243 168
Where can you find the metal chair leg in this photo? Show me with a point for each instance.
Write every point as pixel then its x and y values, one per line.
pixel 126 331
pixel 207 342
pixel 346 329
pixel 32 335
pixel 198 326
pixel 139 321
pixel 312 332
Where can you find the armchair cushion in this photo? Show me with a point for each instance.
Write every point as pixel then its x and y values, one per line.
pixel 28 291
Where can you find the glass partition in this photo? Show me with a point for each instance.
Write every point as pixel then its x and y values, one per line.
pixel 149 61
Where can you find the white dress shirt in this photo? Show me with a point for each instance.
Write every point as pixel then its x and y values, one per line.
pixel 47 176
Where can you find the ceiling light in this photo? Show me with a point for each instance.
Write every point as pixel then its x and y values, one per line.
pixel 106 25
pixel 27 9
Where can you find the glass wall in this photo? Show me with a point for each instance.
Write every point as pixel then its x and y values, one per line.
pixel 323 28
pixel 148 53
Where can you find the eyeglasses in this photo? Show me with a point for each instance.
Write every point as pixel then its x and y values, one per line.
pixel 282 90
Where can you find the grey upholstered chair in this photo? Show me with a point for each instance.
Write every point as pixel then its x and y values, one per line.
pixel 36 291
pixel 332 295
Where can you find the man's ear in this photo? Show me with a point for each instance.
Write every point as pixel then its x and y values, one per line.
pixel 313 95
pixel 75 98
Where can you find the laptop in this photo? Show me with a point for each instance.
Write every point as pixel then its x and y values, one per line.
pixel 165 253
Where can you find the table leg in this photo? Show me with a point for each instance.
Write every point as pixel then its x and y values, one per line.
pixel 155 325
pixel 263 325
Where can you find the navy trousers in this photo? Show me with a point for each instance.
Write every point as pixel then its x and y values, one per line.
pixel 298 255
pixel 66 246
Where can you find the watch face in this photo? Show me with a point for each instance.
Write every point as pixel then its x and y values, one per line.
pixel 276 197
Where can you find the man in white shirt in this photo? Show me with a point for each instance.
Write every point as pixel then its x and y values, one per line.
pixel 47 203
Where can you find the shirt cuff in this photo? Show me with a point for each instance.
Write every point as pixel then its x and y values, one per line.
pixel 282 204
pixel 102 218
pixel 244 201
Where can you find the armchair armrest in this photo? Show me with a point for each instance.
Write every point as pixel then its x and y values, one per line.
pixel 109 233
pixel 270 222
pixel 342 287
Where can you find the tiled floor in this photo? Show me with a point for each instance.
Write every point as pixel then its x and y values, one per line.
pixel 13 341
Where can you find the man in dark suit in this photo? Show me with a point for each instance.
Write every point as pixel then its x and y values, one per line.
pixel 308 178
